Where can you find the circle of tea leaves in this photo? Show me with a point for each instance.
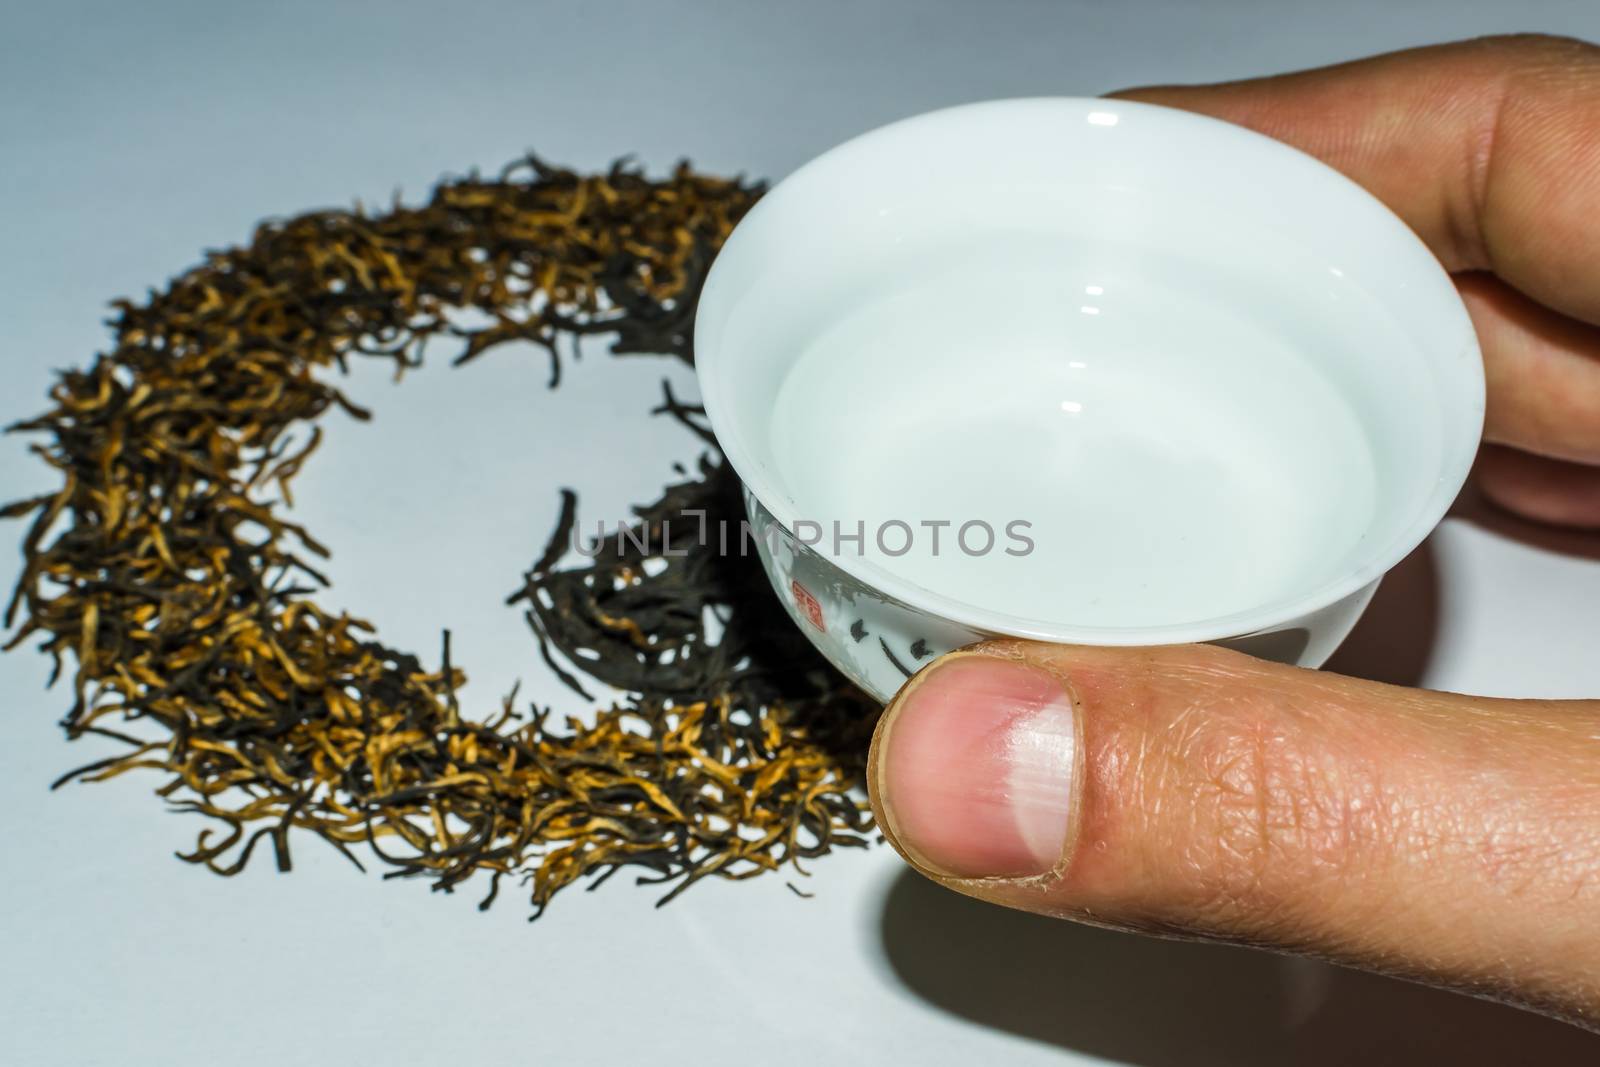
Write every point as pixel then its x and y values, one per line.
pixel 164 571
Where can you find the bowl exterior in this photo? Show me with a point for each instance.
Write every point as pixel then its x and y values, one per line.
pixel 878 641
pixel 1027 166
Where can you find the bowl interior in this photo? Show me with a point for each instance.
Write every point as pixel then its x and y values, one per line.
pixel 1090 370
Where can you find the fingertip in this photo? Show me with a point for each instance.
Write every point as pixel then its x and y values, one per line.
pixel 974 768
pixel 1539 488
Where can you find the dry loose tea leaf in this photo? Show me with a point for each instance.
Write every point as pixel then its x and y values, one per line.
pixel 164 574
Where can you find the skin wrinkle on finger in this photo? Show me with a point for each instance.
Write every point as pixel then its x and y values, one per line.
pixel 1466 226
pixel 1415 833
pixel 1392 824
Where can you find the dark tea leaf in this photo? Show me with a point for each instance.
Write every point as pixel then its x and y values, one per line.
pixel 163 574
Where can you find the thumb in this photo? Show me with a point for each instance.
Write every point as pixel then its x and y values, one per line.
pixel 1193 791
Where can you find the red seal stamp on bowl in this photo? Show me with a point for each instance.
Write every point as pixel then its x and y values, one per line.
pixel 808 604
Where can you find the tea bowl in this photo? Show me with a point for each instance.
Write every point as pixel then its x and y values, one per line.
pixel 1082 371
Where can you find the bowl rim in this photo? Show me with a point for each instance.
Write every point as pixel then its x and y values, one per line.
pixel 1269 616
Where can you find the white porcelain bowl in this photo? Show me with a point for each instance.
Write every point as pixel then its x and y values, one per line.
pixel 1086 371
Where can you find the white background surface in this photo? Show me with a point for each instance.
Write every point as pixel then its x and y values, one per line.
pixel 134 135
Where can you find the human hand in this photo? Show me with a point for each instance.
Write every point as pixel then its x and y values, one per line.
pixel 1192 791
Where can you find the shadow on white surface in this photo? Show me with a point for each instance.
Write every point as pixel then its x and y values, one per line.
pixel 1155 1003
pixel 1394 640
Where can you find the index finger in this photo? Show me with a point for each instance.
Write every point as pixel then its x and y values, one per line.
pixel 1489 149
